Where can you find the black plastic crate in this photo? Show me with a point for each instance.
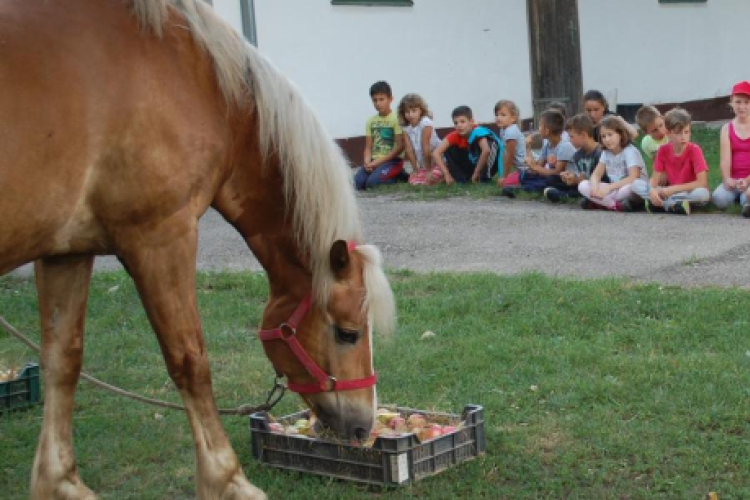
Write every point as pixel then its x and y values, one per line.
pixel 390 461
pixel 22 391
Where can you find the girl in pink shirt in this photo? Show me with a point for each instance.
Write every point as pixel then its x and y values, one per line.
pixel 680 175
pixel 735 152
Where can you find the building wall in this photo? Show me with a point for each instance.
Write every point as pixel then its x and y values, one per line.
pixel 472 52
pixel 231 11
pixel 642 51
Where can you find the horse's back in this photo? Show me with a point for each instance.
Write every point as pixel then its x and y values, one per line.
pixel 104 127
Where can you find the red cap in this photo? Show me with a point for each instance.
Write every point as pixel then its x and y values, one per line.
pixel 742 88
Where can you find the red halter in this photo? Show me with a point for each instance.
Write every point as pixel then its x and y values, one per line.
pixel 287 332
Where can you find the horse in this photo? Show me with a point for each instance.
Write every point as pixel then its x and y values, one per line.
pixel 124 121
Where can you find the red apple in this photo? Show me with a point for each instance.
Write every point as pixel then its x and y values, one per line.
pixel 398 424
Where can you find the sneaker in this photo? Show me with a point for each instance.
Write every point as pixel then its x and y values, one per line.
pixel 587 204
pixel 683 208
pixel 554 195
pixel 509 192
pixel 746 210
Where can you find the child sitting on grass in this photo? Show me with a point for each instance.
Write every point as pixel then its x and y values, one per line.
pixel 421 140
pixel 514 144
pixel 680 176
pixel 734 153
pixel 621 162
pixel 384 142
pixel 580 129
pixel 555 156
pixel 652 124
pixel 472 153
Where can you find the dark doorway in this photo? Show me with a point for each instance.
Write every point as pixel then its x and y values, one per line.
pixel 555 47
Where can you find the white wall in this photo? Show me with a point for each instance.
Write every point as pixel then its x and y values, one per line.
pixel 231 11
pixel 471 52
pixel 650 52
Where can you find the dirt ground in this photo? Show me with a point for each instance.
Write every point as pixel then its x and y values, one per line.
pixel 513 236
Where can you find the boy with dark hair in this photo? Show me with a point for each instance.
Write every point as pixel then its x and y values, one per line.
pixel 472 153
pixel 556 154
pixel 680 175
pixel 384 143
pixel 651 122
pixel 586 158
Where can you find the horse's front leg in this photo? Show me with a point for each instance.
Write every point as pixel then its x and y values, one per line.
pixel 164 274
pixel 62 285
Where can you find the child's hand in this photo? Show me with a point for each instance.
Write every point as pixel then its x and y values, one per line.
pixel 741 184
pixel 730 183
pixel 654 197
pixel 552 161
pixel 475 177
pixel 370 166
pixel 500 181
pixel 449 179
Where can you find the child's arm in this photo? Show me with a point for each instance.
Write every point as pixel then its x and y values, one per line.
pixel 556 170
pixel 426 136
pixel 368 154
pixel 596 178
pixel 411 155
pixel 634 172
pixel 656 193
pixel 725 158
pixel 437 157
pixel 509 156
pixel 482 161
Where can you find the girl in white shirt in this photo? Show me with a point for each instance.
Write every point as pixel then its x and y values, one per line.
pixel 621 163
pixel 421 140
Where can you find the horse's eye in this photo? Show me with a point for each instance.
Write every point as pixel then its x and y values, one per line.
pixel 344 336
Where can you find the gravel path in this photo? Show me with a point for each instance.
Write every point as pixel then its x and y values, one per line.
pixel 512 236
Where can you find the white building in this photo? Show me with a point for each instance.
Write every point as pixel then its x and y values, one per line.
pixel 476 52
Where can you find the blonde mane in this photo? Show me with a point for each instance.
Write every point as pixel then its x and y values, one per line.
pixel 317 179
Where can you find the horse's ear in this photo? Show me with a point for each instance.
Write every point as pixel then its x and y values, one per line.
pixel 339 258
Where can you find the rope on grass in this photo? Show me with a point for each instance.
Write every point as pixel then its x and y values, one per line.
pixel 274 395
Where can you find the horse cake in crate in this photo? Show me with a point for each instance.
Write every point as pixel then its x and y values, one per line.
pixel 406 446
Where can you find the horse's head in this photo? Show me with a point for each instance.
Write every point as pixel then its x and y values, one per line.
pixel 328 353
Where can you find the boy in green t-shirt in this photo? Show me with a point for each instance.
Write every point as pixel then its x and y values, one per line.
pixel 652 124
pixel 384 143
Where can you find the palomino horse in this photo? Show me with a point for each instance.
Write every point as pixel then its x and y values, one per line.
pixel 123 122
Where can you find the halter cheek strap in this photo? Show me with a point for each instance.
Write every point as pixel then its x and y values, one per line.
pixel 287 332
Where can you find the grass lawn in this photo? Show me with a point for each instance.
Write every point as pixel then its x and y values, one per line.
pixel 706 138
pixel 593 389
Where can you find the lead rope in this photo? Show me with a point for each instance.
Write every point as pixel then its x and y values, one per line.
pixel 274 395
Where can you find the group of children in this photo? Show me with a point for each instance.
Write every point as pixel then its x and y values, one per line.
pixel 592 155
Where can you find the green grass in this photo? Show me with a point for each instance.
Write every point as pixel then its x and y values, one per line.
pixel 639 391
pixel 706 138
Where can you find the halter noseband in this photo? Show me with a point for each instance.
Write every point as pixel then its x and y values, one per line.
pixel 287 332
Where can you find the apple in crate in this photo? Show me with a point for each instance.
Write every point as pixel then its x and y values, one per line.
pixel 431 432
pixel 398 424
pixel 448 429
pixel 416 421
pixel 275 427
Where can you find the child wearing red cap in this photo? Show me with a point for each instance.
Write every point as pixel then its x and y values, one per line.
pixel 735 153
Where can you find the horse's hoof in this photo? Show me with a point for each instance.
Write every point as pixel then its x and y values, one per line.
pixel 241 489
pixel 67 491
